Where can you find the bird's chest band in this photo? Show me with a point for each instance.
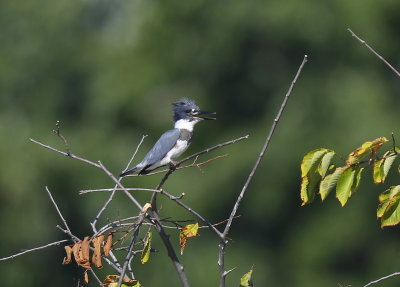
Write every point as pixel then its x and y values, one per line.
pixel 186 136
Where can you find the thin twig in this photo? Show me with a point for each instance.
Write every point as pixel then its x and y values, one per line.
pixel 131 245
pixel 381 279
pixel 116 189
pixel 64 153
pixel 34 249
pixel 58 210
pixel 110 198
pixel 221 256
pixel 195 155
pixel 373 51
pixel 194 164
pixel 188 208
pixel 58 133
pixel 117 182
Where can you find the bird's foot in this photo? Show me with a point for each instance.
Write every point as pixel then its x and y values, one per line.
pixel 172 165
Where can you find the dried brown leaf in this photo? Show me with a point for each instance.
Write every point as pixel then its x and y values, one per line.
pixel 84 253
pixel 108 245
pixel 75 250
pixel 96 258
pixel 67 259
pixel 85 278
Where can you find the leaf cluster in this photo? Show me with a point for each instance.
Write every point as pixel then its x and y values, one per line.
pixel 320 176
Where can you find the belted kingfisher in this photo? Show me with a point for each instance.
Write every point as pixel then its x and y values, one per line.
pixel 173 142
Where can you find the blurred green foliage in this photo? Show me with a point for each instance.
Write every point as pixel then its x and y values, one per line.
pixel 108 70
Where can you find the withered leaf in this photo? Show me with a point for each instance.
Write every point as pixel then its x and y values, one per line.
pixel 96 258
pixel 190 230
pixel 108 245
pixel 84 253
pixel 81 253
pixel 85 278
pixel 67 259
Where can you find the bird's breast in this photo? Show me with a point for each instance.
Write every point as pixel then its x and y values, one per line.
pixel 179 148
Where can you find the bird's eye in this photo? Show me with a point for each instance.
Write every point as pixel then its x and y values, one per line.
pixel 188 111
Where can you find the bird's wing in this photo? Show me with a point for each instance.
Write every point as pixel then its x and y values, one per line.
pixel 164 144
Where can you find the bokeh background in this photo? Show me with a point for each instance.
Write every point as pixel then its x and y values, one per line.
pixel 109 70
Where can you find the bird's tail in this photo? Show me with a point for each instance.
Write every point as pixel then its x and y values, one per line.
pixel 129 171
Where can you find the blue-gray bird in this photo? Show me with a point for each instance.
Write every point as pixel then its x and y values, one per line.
pixel 173 142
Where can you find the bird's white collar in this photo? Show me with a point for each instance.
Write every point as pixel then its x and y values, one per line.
pixel 185 124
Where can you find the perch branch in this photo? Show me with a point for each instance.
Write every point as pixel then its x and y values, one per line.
pixel 110 198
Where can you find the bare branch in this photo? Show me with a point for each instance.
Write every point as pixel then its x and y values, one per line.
pixel 58 133
pixel 34 249
pixel 116 189
pixel 65 153
pixel 264 148
pixel 374 52
pixel 110 198
pixel 195 155
pixel 381 279
pixel 221 257
pixel 118 183
pixel 130 255
pixel 194 164
pixel 58 210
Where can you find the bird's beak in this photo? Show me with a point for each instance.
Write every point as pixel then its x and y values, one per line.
pixel 200 115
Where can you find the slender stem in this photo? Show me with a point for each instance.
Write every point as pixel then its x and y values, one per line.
pixel 131 245
pixel 209 224
pixel 58 210
pixel 66 154
pixel 221 256
pixel 383 278
pixel 34 249
pixel 110 198
pixel 374 52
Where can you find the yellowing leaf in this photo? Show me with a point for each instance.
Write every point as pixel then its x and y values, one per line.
pixel 378 171
pixel 245 281
pixel 389 209
pixel 329 182
pixel 187 231
pixel 146 250
pixel 348 183
pixel 368 148
pixel 312 159
pixel 112 281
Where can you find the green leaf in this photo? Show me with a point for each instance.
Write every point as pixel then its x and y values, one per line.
pixel 329 182
pixel 309 187
pixel 345 183
pixel 382 166
pixel 245 281
pixel 325 163
pixel 368 148
pixel 388 164
pixel 146 250
pixel 389 209
pixel 311 159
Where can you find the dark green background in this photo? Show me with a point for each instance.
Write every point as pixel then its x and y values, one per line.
pixel 108 70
